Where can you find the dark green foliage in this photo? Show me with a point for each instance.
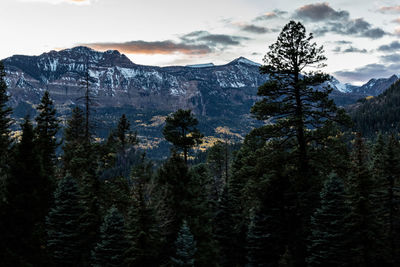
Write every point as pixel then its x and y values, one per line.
pixel 73 144
pixel 386 172
pixel 118 152
pixel 329 244
pixel 110 251
pixel 301 119
pixel 5 155
pixel 5 140
pixel 225 230
pixel 63 224
pixel 90 217
pixel 173 179
pixel 290 98
pixel 28 199
pixel 379 114
pixel 363 224
pixel 201 215
pixel 46 130
pixel 180 129
pixel 218 164
pixel 143 230
pixel 185 247
pixel 124 133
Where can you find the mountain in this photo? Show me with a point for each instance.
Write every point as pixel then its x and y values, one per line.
pixel 220 95
pixel 116 81
pixel 378 114
pixel 375 87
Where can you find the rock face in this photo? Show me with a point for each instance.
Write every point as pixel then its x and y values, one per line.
pixel 375 87
pixel 207 89
pixel 116 81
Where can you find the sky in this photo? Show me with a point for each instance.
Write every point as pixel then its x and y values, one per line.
pixel 361 38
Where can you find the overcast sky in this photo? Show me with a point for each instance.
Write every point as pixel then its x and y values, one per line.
pixel 361 37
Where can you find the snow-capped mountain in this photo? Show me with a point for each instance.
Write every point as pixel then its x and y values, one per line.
pixel 116 81
pixel 207 89
pixel 376 87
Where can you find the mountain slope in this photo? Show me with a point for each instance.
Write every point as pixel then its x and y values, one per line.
pixel 220 96
pixel 116 81
pixel 378 114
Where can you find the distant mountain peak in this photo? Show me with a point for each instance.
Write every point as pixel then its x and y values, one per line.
pixel 243 60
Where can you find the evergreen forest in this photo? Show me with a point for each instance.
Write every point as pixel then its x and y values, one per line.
pixel 312 186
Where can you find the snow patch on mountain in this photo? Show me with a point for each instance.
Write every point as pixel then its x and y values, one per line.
pixel 205 65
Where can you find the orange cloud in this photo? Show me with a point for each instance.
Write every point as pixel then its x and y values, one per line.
pixel 157 47
pixel 395 9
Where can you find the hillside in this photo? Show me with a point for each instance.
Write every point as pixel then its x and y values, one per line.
pixel 220 95
pixel 378 114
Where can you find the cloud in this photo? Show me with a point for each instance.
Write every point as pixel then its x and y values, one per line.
pixel 389 9
pixel 55 2
pixel 276 13
pixel 194 43
pixel 157 47
pixel 393 46
pixel 342 42
pixel 363 74
pixel 320 12
pixel 391 58
pixel 254 29
pixel 349 49
pixel 356 27
pixel 212 40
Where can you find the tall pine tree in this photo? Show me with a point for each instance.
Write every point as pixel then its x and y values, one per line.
pixel 27 205
pixel 5 153
pixel 46 130
pixel 329 244
pixel 366 247
pixel 185 247
pixel 110 251
pixel 63 224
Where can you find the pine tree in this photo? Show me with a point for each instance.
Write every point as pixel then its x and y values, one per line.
pixel 27 206
pixel 90 217
pixel 5 154
pixel 329 244
pixel 46 130
pixel 295 102
pixel 185 247
pixel 217 161
pixel 363 224
pixel 173 178
pixel 267 235
pixel 124 134
pixel 290 97
pixel 386 173
pixel 74 150
pixel 225 230
pixel 111 248
pixel 63 224
pixel 142 226
pixel 5 140
pixel 201 215
pixel 180 129
pixel 80 160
